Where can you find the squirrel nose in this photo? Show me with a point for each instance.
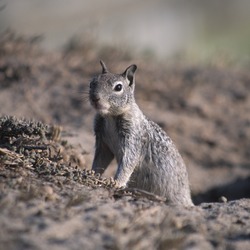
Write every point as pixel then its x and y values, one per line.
pixel 95 98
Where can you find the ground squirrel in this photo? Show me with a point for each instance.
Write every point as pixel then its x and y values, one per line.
pixel 146 156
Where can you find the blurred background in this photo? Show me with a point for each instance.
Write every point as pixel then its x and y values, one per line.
pixel 215 31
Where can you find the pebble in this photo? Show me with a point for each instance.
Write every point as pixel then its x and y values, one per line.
pixel 223 199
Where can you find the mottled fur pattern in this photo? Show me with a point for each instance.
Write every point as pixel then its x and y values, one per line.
pixel 147 158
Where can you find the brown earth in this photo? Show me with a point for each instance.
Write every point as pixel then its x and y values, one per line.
pixel 48 201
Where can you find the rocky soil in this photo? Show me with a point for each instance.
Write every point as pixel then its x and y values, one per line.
pixel 49 199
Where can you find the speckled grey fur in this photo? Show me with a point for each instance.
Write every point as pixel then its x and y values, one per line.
pixel 146 156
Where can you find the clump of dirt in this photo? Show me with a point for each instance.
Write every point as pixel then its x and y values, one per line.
pixel 39 147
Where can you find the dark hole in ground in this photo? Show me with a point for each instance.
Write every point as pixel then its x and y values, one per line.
pixel 237 189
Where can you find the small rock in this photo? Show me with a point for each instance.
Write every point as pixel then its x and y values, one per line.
pixel 223 199
pixel 49 193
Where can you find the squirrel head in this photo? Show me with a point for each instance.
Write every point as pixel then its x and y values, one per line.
pixel 112 94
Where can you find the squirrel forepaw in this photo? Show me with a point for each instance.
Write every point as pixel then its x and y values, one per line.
pixel 119 185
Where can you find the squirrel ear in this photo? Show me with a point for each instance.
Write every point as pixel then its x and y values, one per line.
pixel 104 67
pixel 129 74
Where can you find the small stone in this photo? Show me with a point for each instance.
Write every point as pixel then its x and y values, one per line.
pixel 178 223
pixel 48 190
pixel 49 193
pixel 19 180
pixel 223 199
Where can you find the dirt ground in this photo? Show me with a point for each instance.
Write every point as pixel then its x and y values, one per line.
pixel 50 200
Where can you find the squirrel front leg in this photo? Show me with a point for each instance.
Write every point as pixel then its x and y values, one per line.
pixel 103 156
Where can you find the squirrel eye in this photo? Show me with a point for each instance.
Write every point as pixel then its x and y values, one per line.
pixel 118 87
